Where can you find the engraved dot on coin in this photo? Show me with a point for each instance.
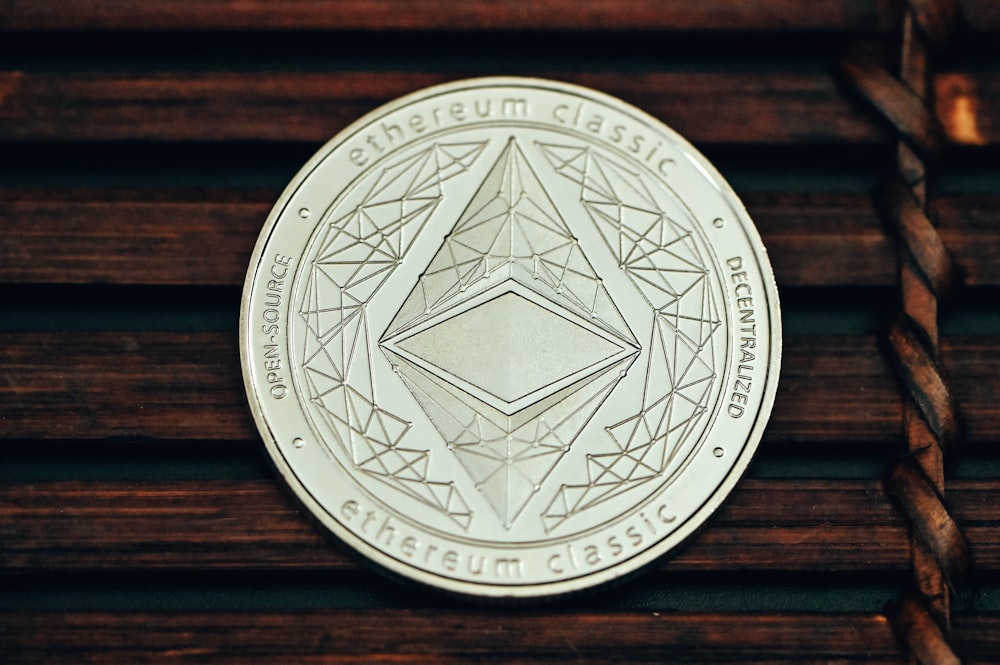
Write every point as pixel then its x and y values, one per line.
pixel 718 452
pixel 298 442
pixel 304 213
pixel 718 222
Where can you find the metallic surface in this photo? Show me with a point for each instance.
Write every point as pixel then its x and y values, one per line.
pixel 510 337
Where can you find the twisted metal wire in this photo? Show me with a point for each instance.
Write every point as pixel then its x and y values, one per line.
pixel 940 554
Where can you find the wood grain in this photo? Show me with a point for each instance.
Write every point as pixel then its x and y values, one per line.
pixel 467 635
pixel 79 392
pixel 621 637
pixel 155 385
pixel 768 525
pixel 150 385
pixel 706 107
pixel 778 108
pixel 200 237
pixel 164 237
pixel 634 15
pixel 187 386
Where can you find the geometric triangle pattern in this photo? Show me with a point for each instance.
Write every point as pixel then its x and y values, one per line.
pixel 662 259
pixel 510 244
pixel 358 249
pixel 511 230
pixel 508 457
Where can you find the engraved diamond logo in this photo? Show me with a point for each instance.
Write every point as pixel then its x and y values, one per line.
pixel 509 341
pixel 515 348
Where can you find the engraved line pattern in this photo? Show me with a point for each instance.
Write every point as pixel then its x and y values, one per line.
pixel 510 238
pixel 662 259
pixel 358 251
pixel 511 230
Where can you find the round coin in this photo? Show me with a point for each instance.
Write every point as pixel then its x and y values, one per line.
pixel 510 337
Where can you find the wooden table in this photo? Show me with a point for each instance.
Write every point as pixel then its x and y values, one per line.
pixel 141 147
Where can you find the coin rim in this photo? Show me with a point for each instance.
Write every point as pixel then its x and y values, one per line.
pixel 628 568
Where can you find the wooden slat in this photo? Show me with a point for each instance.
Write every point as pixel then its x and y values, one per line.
pixel 706 107
pixel 162 237
pixel 468 635
pixel 831 525
pixel 195 237
pixel 185 237
pixel 156 385
pixel 768 16
pixel 93 385
pixel 642 15
pixel 359 636
pixel 107 384
pixel 773 525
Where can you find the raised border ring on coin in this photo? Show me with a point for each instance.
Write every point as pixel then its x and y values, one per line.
pixel 510 338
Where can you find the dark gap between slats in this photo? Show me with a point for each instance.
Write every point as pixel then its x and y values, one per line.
pixel 801 168
pixel 126 461
pixel 472 52
pixel 216 308
pixel 716 591
pixel 129 461
pixel 969 170
pixel 823 168
pixel 778 460
pixel 125 308
pixel 805 311
pixel 828 311
pixel 104 164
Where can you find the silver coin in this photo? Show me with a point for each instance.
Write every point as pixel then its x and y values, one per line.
pixel 510 337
